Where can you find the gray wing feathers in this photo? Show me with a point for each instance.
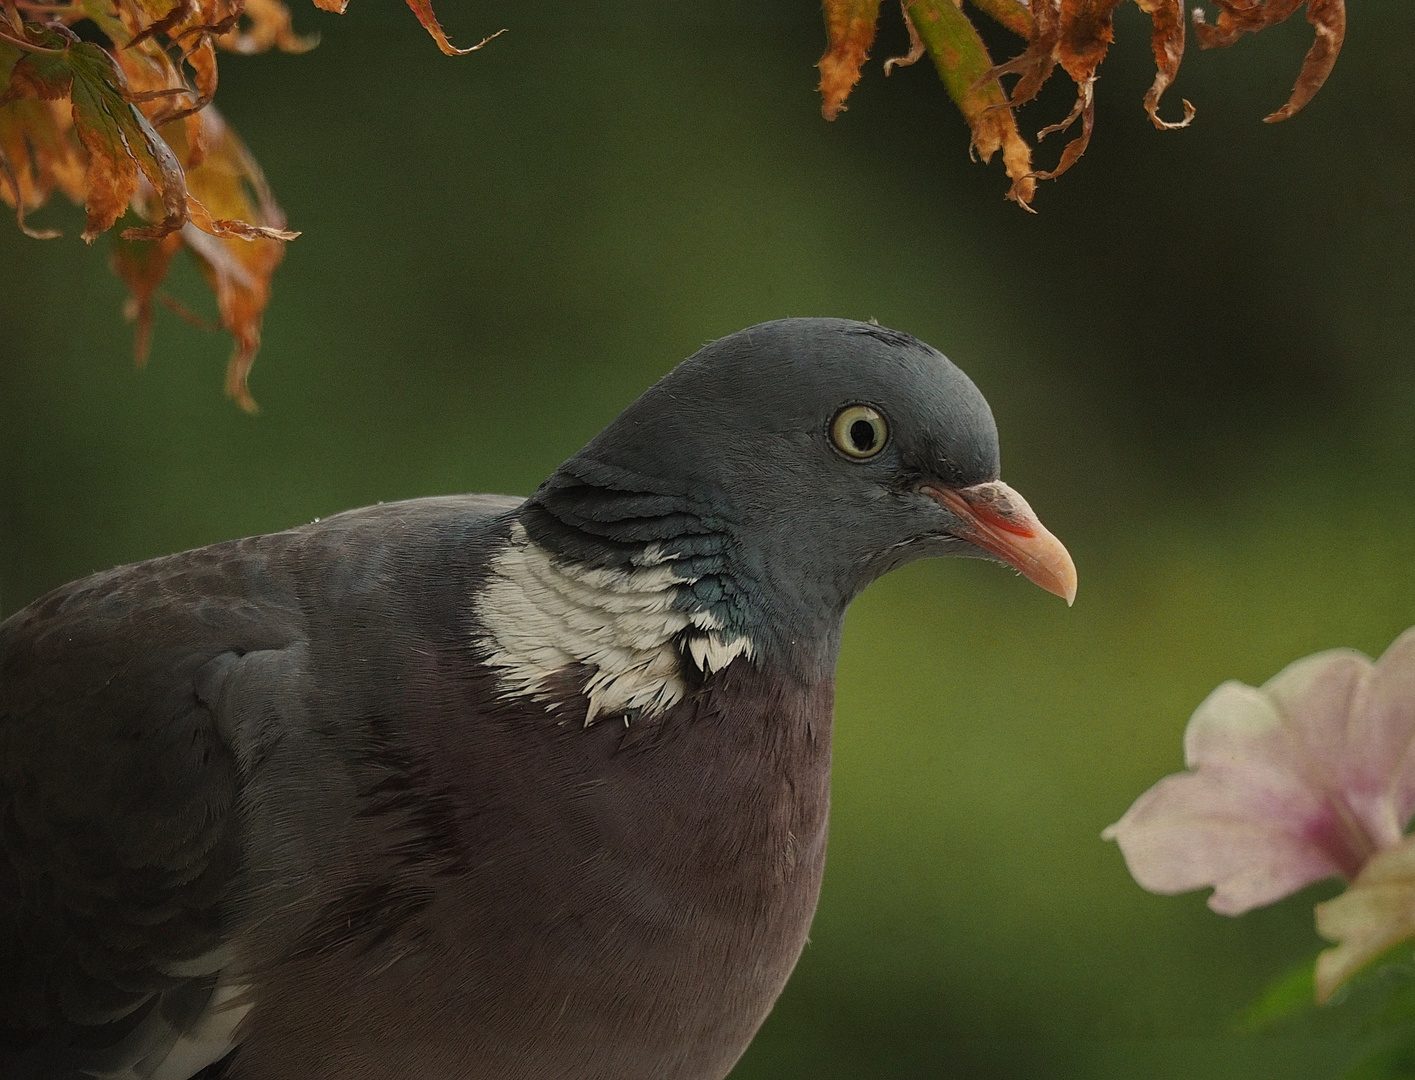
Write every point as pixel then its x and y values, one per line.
pixel 167 811
pixel 119 838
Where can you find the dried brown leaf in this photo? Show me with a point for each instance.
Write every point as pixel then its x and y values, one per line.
pixel 266 23
pixel 1086 30
pixel 1085 109
pixel 1075 34
pixel 234 228
pixel 916 43
pixel 213 17
pixel 964 66
pixel 86 120
pixel 16 199
pixel 111 128
pixel 1328 17
pixel 1239 17
pixel 143 266
pixel 120 142
pixel 41 73
pixel 36 140
pixel 242 293
pixel 201 58
pixel 423 10
pixel 243 242
pixel 850 31
pixel 181 13
pixel 194 150
pixel 148 69
pixel 1167 42
pixel 237 252
pixel 1013 14
pixel 1034 64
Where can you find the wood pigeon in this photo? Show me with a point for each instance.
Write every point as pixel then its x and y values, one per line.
pixel 480 788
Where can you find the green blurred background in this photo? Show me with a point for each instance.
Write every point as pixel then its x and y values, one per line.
pixel 1198 353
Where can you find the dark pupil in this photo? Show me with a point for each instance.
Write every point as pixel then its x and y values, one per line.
pixel 862 435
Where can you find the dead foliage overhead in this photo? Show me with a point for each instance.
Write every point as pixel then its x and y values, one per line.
pixel 125 128
pixel 1071 34
pixel 120 120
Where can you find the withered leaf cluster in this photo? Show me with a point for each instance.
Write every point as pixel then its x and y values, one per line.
pixel 126 127
pixel 1071 34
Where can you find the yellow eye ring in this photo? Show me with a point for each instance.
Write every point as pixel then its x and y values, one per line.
pixel 859 432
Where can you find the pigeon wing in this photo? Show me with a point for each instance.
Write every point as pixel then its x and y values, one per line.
pixel 120 841
pixel 174 818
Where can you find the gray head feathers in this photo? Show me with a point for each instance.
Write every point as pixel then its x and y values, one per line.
pixel 728 467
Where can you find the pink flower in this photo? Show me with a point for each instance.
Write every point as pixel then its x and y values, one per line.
pixel 1305 778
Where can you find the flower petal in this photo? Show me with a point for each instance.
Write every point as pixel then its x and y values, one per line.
pixel 1377 912
pixel 1303 779
pixel 1195 829
pixel 1385 727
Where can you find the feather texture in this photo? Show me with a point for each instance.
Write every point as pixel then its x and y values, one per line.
pixel 627 627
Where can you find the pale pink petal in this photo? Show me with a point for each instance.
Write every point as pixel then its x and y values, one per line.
pixel 1385 714
pixel 1377 912
pixel 1300 780
pixel 1174 840
pixel 1315 695
pixel 1235 822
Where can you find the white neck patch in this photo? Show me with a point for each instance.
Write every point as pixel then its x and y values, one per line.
pixel 543 616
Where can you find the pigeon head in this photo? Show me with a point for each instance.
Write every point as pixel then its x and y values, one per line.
pixel 762 484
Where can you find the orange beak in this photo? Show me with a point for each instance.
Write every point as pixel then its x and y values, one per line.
pixel 999 521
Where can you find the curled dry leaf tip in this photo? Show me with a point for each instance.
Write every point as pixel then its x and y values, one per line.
pixel 423 10
pixel 1167 44
pixel 850 31
pixel 916 44
pixel 1328 18
pixel 17 196
pixel 1239 17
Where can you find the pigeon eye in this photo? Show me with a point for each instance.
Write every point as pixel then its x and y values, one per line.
pixel 859 432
